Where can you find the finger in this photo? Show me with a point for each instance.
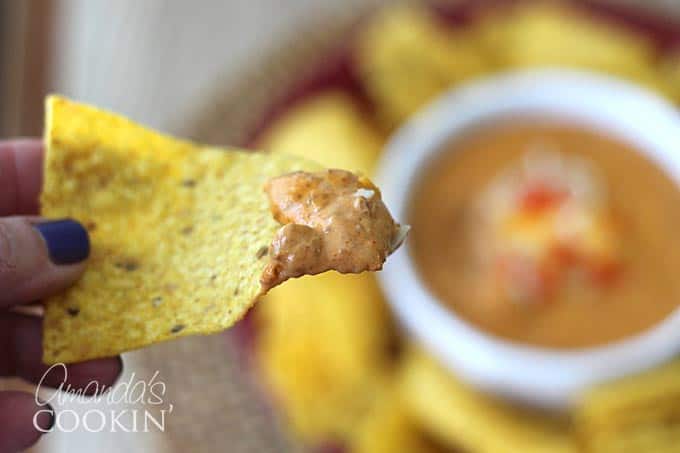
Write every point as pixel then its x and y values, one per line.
pixel 21 169
pixel 39 259
pixel 22 421
pixel 21 337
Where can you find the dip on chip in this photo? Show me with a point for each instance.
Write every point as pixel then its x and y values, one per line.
pixel 180 232
pixel 333 220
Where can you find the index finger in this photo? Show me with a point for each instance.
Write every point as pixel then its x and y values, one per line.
pixel 21 169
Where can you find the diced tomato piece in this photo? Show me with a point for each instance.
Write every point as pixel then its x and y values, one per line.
pixel 565 255
pixel 538 197
pixel 605 274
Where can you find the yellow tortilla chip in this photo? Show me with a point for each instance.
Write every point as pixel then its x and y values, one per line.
pixel 405 58
pixel 638 413
pixel 555 34
pixel 328 129
pixel 177 232
pixel 388 428
pixel 657 437
pixel 671 73
pixel 460 416
pixel 323 346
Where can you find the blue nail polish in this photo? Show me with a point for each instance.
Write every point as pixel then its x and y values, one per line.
pixel 67 241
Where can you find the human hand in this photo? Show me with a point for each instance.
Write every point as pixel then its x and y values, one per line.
pixel 38 258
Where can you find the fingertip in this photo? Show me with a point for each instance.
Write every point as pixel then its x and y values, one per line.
pixel 44 417
pixel 30 144
pixel 21 163
pixel 38 260
pixel 23 420
pixel 22 336
pixel 28 161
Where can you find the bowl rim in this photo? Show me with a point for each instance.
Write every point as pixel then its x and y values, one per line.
pixel 549 378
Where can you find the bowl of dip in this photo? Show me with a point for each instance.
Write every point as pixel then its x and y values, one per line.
pixel 542 254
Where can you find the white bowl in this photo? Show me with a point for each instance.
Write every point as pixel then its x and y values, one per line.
pixel 539 376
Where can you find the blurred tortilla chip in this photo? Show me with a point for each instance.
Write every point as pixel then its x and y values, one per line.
pixel 329 129
pixel 555 34
pixel 638 413
pixel 457 415
pixel 323 346
pixel 388 428
pixel 323 342
pixel 406 58
pixel 175 230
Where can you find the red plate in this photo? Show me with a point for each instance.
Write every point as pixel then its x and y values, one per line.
pixel 338 72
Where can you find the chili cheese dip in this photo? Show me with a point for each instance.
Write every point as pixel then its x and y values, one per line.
pixel 548 234
pixel 333 220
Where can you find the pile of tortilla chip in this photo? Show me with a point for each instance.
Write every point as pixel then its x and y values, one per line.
pixel 406 55
pixel 641 413
pixel 328 349
pixel 406 58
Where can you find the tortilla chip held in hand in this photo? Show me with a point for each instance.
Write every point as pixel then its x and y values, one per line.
pixel 180 233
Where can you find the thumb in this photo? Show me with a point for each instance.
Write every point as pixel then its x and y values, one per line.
pixel 39 259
